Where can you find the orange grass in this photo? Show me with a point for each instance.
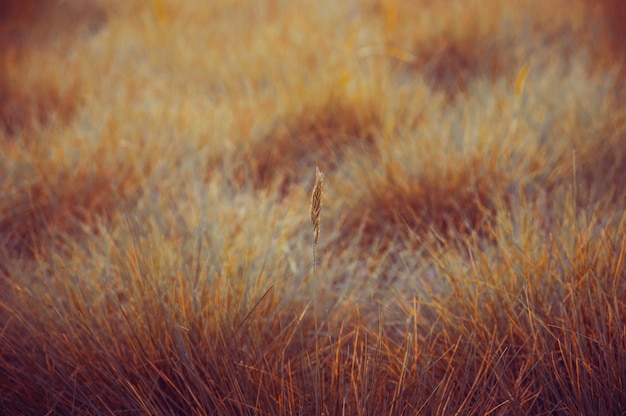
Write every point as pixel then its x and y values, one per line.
pixel 156 167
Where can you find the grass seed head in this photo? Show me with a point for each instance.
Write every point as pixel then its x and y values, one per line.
pixel 316 203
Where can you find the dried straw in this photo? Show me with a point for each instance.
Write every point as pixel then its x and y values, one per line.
pixel 316 204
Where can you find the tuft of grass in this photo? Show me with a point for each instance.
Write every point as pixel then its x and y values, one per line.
pixel 29 34
pixel 316 134
pixel 29 102
pixel 57 200
pixel 451 202
pixel 613 13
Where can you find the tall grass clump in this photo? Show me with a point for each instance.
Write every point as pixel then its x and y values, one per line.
pixel 321 132
pixel 158 216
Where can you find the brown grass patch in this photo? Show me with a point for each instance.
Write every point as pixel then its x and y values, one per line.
pixel 601 164
pixel 28 103
pixel 36 85
pixel 39 23
pixel 451 53
pixel 454 43
pixel 57 199
pixel 317 134
pixel 451 202
pixel 614 14
pixel 452 66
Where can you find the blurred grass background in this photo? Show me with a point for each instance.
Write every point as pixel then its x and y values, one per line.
pixel 156 163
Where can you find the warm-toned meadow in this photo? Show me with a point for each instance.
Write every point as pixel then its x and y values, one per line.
pixel 156 248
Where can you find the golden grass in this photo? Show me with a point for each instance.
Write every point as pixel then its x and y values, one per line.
pixel 156 165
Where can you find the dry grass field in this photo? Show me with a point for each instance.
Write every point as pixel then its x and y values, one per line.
pixel 157 162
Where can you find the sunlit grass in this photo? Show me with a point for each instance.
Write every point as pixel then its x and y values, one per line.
pixel 156 167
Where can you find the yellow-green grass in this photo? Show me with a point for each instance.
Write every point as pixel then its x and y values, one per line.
pixel 156 167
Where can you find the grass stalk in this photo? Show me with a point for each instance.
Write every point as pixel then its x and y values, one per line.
pixel 315 210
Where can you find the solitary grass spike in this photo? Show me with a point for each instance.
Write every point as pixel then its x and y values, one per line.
pixel 316 208
pixel 316 204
